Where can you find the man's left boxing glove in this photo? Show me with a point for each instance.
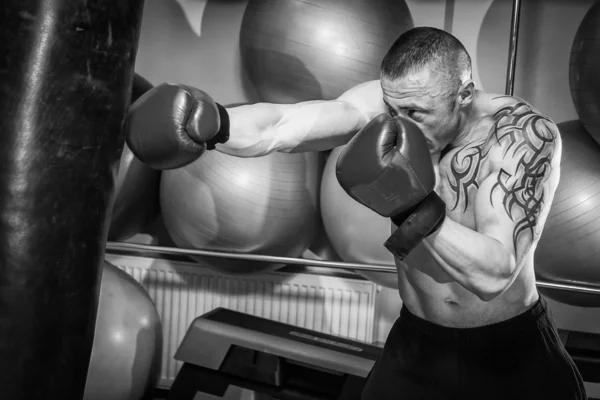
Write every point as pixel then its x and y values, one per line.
pixel 171 126
pixel 387 167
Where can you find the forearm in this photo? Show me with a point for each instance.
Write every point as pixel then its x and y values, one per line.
pixel 479 263
pixel 262 128
pixel 252 130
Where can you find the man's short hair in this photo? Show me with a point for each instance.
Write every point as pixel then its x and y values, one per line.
pixel 426 47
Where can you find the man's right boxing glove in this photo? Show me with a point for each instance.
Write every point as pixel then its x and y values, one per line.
pixel 171 126
pixel 388 168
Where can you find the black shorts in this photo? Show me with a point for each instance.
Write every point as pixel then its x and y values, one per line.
pixel 520 358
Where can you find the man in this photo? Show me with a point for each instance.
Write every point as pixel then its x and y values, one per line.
pixel 473 324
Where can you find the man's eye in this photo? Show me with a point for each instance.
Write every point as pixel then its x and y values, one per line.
pixel 414 114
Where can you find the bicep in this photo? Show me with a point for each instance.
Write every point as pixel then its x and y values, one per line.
pixel 323 125
pixel 514 200
pixel 501 214
pixel 316 126
pixel 262 128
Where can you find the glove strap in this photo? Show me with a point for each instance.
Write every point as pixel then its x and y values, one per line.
pixel 424 219
pixel 223 135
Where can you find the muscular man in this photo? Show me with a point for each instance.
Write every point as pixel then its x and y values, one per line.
pixel 473 324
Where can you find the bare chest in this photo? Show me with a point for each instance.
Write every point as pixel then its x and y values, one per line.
pixel 460 173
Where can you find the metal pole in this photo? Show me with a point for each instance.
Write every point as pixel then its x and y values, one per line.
pixel 160 250
pixel 512 49
pixel 568 288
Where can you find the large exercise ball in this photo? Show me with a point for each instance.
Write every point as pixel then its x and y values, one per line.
pixel 294 50
pixel 356 232
pixel 127 350
pixel 321 248
pixel 569 251
pixel 136 202
pixel 263 205
pixel 584 75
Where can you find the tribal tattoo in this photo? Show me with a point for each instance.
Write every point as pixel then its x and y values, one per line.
pixel 524 136
pixel 465 168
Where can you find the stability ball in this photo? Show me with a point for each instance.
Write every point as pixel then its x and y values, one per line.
pixel 127 349
pixel 356 233
pixel 569 251
pixel 584 65
pixel 295 50
pixel 321 248
pixel 264 205
pixel 136 202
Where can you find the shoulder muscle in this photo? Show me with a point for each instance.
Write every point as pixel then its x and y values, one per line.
pixel 523 138
pixel 322 125
pixel 524 148
pixel 366 98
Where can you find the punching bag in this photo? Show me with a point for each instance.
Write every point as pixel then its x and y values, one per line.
pixel 65 76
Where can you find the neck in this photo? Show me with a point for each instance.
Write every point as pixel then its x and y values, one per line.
pixel 469 117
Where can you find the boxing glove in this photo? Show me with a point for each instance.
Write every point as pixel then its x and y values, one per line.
pixel 388 168
pixel 171 126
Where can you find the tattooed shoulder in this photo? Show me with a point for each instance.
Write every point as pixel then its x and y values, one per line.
pixel 521 127
pixel 527 142
pixel 517 154
pixel 466 167
pixel 464 173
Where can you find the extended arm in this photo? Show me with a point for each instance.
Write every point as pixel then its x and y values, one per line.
pixel 172 125
pixel 262 128
pixel 511 204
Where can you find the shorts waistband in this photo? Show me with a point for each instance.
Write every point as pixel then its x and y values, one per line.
pixel 530 320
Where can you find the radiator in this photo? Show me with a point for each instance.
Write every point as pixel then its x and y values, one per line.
pixel 182 291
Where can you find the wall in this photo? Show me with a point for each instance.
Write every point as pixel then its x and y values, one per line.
pixel 170 51
pixel 545 37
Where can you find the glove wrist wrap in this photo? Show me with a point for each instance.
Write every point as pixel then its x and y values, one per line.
pixel 415 225
pixel 223 135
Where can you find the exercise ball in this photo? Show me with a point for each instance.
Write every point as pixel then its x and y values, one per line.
pixel 584 77
pixel 568 251
pixel 356 232
pixel 127 349
pixel 262 205
pixel 321 248
pixel 136 202
pixel 295 50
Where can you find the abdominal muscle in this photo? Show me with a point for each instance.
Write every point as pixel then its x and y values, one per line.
pixel 429 293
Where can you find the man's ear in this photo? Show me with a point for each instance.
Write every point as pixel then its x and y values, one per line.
pixel 466 93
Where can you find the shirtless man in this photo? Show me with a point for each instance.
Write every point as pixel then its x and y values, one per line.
pixel 473 324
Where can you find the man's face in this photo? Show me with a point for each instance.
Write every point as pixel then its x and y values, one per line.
pixel 427 101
